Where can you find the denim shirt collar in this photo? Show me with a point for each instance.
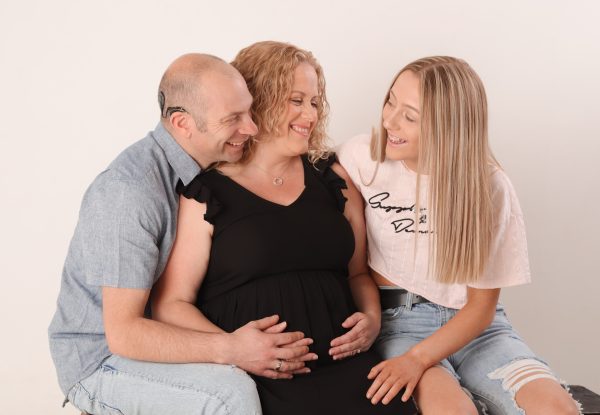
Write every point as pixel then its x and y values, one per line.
pixel 184 165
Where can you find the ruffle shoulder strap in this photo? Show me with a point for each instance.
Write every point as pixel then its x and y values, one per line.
pixel 199 191
pixel 334 183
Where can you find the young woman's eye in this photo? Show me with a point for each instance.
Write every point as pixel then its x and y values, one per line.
pixel 410 118
pixel 296 101
pixel 314 104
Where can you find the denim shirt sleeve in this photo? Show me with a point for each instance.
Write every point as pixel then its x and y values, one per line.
pixel 119 226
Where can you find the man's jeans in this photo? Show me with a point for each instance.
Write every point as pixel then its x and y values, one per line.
pixel 123 386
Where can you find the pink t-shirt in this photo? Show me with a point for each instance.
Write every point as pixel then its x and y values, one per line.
pixel 391 228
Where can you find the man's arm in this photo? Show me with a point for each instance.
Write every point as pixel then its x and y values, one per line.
pixel 255 347
pixel 121 223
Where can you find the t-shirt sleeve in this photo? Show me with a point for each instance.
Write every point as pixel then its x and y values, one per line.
pixel 351 154
pixel 509 262
pixel 119 227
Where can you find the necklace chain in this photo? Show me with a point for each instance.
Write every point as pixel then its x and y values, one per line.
pixel 277 179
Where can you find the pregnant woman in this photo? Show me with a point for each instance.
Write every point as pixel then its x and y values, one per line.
pixel 281 233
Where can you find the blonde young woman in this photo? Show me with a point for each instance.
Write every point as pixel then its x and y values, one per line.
pixel 281 234
pixel 445 233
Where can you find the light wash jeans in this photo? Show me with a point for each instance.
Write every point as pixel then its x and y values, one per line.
pixel 487 366
pixel 128 387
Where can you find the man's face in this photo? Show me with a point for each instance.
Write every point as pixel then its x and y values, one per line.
pixel 227 121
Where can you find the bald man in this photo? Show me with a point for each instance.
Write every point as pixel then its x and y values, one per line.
pixel 110 357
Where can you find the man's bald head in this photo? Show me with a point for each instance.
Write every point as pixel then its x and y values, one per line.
pixel 181 87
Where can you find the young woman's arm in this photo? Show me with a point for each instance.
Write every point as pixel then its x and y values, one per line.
pixel 364 325
pixel 391 375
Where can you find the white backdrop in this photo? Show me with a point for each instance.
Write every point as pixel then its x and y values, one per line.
pixel 78 84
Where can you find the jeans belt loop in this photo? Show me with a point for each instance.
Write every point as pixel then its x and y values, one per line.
pixel 409 300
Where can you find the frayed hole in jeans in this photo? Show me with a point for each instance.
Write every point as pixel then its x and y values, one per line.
pixel 518 373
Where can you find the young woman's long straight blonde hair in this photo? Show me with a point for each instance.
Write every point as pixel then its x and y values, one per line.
pixel 454 153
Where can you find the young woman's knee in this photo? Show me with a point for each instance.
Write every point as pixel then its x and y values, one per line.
pixel 535 388
pixel 561 404
pixel 455 408
pixel 439 392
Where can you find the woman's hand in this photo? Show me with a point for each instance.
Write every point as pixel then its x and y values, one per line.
pixel 364 328
pixel 390 376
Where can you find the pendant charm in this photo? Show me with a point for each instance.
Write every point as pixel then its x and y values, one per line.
pixel 277 181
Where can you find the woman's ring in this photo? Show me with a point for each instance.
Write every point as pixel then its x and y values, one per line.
pixel 279 364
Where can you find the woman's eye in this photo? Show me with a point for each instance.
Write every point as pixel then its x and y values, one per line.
pixel 296 101
pixel 314 104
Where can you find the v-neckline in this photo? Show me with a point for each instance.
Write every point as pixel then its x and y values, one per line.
pixel 296 200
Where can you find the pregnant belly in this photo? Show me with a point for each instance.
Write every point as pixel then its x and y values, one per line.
pixel 314 302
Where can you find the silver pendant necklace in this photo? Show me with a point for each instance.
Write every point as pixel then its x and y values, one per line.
pixel 277 180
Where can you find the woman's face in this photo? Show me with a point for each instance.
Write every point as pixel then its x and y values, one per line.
pixel 401 120
pixel 301 115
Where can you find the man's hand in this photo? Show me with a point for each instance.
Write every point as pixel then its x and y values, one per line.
pixel 391 375
pixel 364 329
pixel 262 348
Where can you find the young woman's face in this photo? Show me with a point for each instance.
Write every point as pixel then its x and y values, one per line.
pixel 301 115
pixel 401 120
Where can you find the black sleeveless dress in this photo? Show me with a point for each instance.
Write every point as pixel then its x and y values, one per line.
pixel 292 261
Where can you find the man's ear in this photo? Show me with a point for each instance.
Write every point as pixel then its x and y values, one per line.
pixel 180 122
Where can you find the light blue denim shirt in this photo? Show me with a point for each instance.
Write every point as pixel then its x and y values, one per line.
pixel 123 238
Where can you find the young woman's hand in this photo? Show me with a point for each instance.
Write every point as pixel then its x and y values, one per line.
pixel 364 329
pixel 390 376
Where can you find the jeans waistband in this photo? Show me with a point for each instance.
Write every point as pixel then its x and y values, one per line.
pixel 397 297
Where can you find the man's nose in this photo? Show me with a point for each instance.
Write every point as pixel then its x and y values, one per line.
pixel 249 127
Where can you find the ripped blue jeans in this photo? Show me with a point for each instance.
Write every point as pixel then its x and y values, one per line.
pixel 492 367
